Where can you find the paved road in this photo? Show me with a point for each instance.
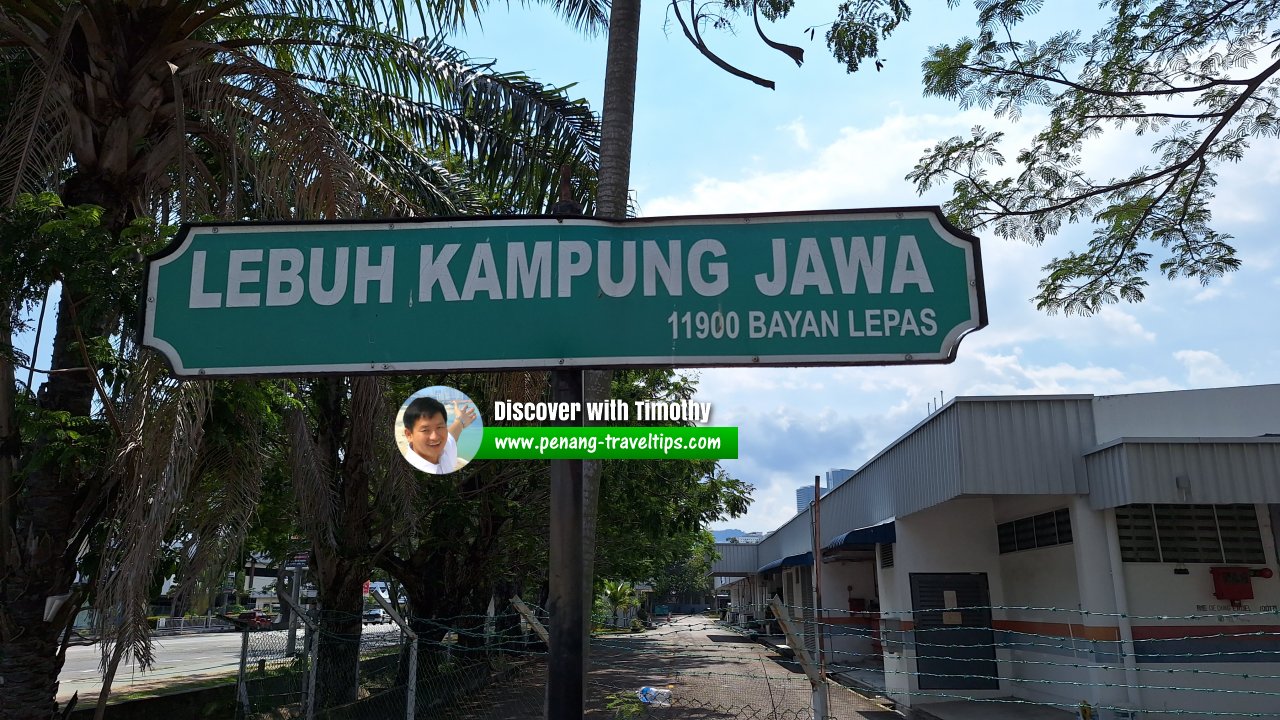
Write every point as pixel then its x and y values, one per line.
pixel 184 657
pixel 711 672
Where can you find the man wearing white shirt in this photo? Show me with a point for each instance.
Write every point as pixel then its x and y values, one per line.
pixel 433 441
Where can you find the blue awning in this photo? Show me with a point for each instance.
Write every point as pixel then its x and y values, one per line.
pixel 801 560
pixel 863 538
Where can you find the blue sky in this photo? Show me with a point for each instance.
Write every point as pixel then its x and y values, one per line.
pixel 707 142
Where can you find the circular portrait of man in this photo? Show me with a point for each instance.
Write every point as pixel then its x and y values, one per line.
pixel 438 429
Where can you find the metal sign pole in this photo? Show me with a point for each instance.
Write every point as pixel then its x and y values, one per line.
pixel 566 665
pixel 820 707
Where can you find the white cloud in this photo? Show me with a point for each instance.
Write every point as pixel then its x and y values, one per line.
pixel 861 168
pixel 1124 325
pixel 798 133
pixel 1206 294
pixel 1206 369
pixel 796 423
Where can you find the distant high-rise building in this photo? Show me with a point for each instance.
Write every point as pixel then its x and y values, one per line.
pixel 804 496
pixel 836 476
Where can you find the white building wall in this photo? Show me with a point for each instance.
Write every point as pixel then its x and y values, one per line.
pixel 1160 603
pixel 848 637
pixel 955 537
pixel 1217 412
pixel 1096 589
pixel 1042 597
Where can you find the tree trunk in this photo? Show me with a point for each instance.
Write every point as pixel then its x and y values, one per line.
pixel 338 655
pixel 342 567
pixel 41 562
pixel 618 116
pixel 51 503
pixel 617 125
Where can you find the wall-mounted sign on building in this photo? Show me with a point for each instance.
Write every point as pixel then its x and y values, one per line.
pixel 813 288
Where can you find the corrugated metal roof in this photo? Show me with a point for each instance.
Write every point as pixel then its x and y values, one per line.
pixel 793 537
pixel 736 560
pixel 1009 445
pixel 1025 447
pixel 1214 471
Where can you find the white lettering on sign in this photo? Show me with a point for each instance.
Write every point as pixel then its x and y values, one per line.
pixel 198 297
pixel 909 268
pixel 482 276
pixel 284 269
pixel 575 260
pixel 315 278
pixel 719 271
pixel 854 260
pixel 533 272
pixel 810 269
pixel 290 275
pixel 238 276
pixel 604 256
pixel 667 268
pixel 434 269
pixel 282 277
pixel 382 273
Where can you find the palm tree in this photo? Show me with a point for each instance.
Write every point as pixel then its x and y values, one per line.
pixel 242 109
pixel 618 595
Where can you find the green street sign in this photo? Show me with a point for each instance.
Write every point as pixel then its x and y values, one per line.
pixel 861 287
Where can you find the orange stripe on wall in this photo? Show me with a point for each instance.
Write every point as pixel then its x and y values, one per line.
pixel 870 619
pixel 1065 630
pixel 1179 632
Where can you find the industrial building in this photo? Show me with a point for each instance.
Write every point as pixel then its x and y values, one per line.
pixel 1115 550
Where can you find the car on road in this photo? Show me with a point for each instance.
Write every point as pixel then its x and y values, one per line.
pixel 255 619
pixel 376 616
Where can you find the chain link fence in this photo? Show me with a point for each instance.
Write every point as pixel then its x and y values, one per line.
pixel 494 668
pixel 1198 667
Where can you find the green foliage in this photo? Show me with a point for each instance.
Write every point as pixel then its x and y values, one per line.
pixel 1199 79
pixel 687 573
pixel 70 443
pixel 652 514
pixel 853 35
pixel 625 705
pixel 617 596
pixel 859 27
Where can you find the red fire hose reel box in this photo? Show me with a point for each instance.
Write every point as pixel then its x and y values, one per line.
pixel 1235 583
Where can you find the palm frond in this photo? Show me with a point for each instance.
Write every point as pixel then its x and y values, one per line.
pixel 35 139
pixel 221 503
pixel 590 17
pixel 317 506
pixel 153 467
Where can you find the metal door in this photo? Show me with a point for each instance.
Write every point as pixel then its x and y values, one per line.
pixel 955 646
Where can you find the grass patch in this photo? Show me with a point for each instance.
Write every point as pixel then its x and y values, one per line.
pixel 169 689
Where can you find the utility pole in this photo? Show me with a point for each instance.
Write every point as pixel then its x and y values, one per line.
pixel 575 485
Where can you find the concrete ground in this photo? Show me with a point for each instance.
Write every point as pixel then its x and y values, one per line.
pixel 713 671
pixel 988 710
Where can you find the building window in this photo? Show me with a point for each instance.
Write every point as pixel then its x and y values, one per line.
pixel 1037 531
pixel 1189 533
pixel 886 555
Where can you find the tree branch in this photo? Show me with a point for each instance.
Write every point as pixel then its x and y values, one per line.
pixel 1199 152
pixel 695 37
